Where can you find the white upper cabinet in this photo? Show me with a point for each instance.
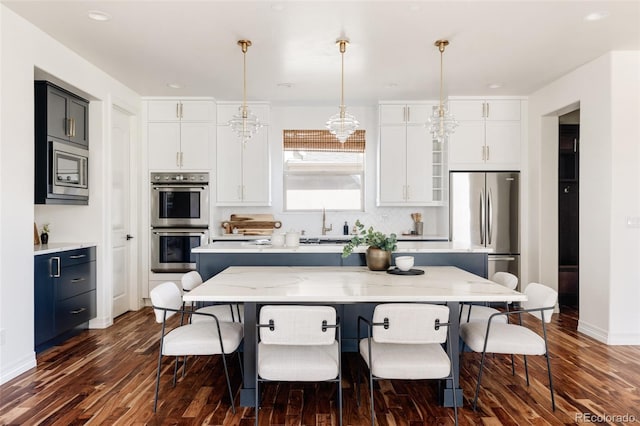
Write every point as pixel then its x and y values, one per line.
pixel 181 110
pixel 410 169
pixel 180 134
pixel 405 113
pixel 242 169
pixel 488 136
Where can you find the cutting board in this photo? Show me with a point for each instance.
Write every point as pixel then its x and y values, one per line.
pixel 251 224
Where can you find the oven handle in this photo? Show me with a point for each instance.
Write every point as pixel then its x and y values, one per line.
pixel 179 187
pixel 187 231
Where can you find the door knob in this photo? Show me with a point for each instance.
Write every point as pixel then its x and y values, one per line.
pixel 129 237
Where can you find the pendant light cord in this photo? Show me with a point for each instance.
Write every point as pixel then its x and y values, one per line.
pixel 343 48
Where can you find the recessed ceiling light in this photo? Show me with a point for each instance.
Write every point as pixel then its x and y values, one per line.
pixel 98 15
pixel 174 85
pixel 596 16
pixel 495 85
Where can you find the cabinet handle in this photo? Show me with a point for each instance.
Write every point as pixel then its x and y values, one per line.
pixel 73 127
pixel 177 109
pixel 57 273
pixel 181 158
pixel 77 280
pixel 483 153
pixel 408 192
pixel 78 311
pixel 77 256
pixel 575 145
pixel 67 127
pixel 488 153
pixel 181 110
pixel 488 105
pixel 177 158
pixel 239 192
pixel 484 108
pixel 408 114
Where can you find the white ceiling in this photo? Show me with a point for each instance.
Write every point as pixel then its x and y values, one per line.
pixel 522 45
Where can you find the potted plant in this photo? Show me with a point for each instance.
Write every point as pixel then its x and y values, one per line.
pixel 378 253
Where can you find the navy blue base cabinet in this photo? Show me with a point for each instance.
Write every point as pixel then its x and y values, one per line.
pixel 64 295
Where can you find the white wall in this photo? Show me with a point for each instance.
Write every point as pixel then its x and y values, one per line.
pixel 387 219
pixel 23 48
pixel 606 90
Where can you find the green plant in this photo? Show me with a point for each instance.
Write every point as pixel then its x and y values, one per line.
pixel 45 228
pixel 371 238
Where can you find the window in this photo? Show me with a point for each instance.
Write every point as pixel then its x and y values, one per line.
pixel 320 172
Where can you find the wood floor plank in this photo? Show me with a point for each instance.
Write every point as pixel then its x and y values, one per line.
pixel 108 377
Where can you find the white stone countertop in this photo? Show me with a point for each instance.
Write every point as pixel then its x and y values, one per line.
pixel 346 284
pixel 39 249
pixel 264 246
pixel 240 237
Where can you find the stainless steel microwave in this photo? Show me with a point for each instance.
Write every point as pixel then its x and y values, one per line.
pixel 63 176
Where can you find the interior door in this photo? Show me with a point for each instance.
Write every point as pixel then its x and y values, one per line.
pixel 120 246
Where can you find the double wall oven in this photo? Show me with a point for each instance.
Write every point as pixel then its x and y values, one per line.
pixel 179 219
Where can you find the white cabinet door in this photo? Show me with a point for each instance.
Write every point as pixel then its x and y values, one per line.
pixel 419 158
pixel 256 171
pixel 163 110
pixel 502 110
pixel 228 167
pixel 197 111
pixel 392 114
pixel 195 145
pixel 419 113
pixel 393 159
pixel 164 146
pixel 467 109
pixel 503 143
pixel 466 144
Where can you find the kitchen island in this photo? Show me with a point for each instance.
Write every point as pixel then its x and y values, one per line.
pixel 213 258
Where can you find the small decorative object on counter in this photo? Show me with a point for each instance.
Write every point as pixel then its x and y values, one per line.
pixel 380 247
pixel 345 229
pixel 44 236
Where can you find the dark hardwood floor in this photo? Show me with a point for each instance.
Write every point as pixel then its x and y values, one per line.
pixel 108 377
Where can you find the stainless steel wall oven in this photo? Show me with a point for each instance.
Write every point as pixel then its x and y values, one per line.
pixel 179 219
pixel 180 199
pixel 171 248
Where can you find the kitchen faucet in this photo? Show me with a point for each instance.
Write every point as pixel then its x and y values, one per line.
pixel 324 227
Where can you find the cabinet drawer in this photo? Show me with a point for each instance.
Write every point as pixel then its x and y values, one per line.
pixel 75 280
pixel 75 257
pixel 75 311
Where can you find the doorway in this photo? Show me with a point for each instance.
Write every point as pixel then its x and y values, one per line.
pixel 568 208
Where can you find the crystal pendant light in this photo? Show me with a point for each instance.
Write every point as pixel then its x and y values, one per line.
pixel 441 123
pixel 343 124
pixel 244 124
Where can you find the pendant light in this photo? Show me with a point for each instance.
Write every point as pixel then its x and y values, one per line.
pixel 343 124
pixel 244 124
pixel 441 123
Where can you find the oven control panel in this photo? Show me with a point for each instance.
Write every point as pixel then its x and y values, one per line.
pixel 179 177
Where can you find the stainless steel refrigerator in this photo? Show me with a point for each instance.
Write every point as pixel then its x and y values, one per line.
pixel 485 211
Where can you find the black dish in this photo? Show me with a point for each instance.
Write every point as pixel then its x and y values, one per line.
pixel 396 271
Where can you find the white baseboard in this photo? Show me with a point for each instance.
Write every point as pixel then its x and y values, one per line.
pixel 101 322
pixel 15 369
pixel 608 338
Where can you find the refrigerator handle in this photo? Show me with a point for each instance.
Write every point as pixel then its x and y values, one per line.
pixel 490 216
pixel 482 216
